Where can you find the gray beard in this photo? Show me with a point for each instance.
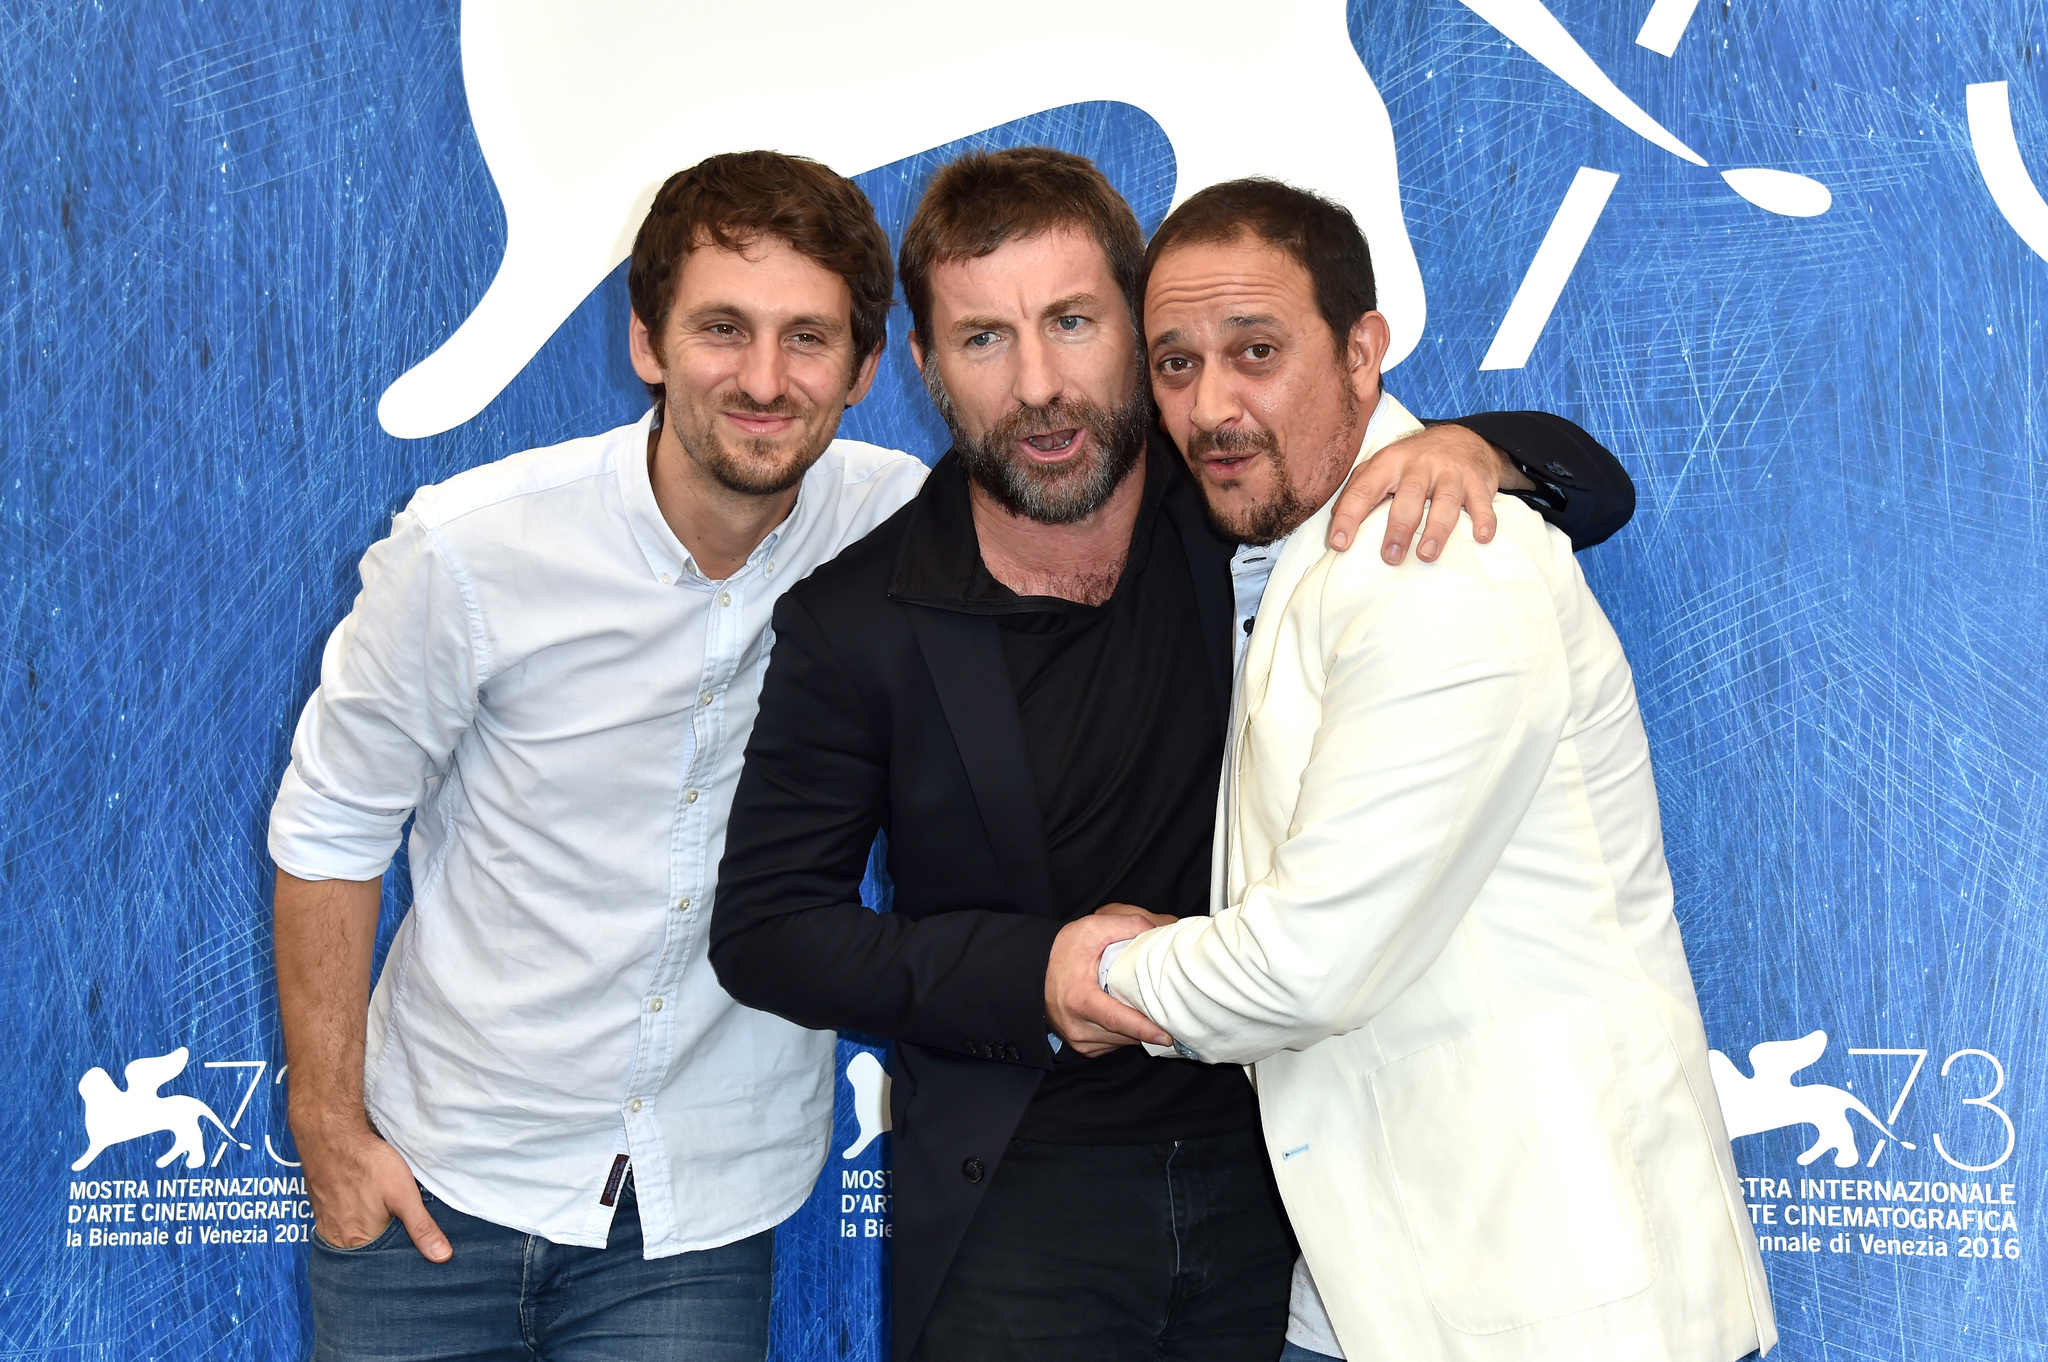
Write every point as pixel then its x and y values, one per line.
pixel 1056 496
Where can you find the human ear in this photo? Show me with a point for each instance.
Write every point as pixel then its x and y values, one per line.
pixel 646 360
pixel 864 378
pixel 1364 348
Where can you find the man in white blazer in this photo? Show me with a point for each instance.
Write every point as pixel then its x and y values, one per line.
pixel 1479 1058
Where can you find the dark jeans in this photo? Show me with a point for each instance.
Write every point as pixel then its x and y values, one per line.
pixel 1143 1252
pixel 507 1296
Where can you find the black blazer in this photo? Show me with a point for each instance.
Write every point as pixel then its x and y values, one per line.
pixel 885 711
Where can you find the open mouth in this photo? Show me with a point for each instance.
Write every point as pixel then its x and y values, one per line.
pixel 1228 466
pixel 1053 445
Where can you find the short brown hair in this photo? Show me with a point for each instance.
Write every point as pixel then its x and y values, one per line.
pixel 1322 236
pixel 732 199
pixel 989 198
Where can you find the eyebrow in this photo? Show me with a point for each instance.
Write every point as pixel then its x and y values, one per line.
pixel 974 326
pixel 1059 307
pixel 809 321
pixel 1249 322
pixel 1073 302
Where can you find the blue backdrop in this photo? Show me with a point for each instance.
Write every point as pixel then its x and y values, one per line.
pixel 226 228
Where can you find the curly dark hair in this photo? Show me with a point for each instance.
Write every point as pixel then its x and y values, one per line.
pixel 736 197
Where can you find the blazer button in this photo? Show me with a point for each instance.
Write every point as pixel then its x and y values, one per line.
pixel 972 1170
pixel 1009 1052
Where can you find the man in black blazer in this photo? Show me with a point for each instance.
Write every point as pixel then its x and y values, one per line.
pixel 1021 680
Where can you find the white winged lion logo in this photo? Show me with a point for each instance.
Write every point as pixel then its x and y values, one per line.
pixel 113 1116
pixel 1769 1100
pixel 870 1100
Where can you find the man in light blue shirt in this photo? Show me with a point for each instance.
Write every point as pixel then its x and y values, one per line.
pixel 555 661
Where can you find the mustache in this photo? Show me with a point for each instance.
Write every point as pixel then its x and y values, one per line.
pixel 1232 441
pixel 784 405
pixel 1065 414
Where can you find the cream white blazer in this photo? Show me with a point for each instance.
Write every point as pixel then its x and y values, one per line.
pixel 1442 935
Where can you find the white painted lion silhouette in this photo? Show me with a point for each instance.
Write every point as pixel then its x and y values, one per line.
pixel 114 1116
pixel 1768 1100
pixel 870 1100
pixel 583 110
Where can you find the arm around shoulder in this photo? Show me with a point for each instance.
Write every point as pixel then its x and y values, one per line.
pixel 1581 487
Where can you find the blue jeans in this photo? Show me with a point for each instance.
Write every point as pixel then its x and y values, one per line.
pixel 1296 1353
pixel 507 1296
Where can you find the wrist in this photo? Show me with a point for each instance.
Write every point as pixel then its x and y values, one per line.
pixel 329 1122
pixel 1512 478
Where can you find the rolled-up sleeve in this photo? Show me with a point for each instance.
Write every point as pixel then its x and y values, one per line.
pixel 398 689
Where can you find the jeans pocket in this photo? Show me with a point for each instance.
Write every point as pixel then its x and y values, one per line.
pixel 383 1240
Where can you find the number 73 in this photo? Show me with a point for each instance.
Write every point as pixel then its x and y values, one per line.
pixel 1919 1058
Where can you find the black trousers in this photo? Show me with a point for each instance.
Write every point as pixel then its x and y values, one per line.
pixel 1175 1252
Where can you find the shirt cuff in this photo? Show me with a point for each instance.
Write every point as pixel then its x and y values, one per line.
pixel 1109 955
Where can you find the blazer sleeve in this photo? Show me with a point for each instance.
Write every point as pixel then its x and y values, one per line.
pixel 1580 487
pixel 789 933
pixel 1445 697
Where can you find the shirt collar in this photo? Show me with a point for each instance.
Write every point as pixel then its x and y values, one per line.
pixel 666 557
pixel 939 561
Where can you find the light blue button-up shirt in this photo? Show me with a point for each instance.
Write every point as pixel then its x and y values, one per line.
pixel 538 669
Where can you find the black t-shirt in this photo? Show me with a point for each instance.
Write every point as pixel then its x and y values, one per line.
pixel 1121 724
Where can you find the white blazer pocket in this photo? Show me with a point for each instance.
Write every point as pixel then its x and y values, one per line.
pixel 1510 1151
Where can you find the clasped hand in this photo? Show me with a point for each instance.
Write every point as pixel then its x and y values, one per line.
pixel 1080 1011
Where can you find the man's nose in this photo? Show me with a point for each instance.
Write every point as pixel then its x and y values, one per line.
pixel 1039 380
pixel 1215 402
pixel 764 370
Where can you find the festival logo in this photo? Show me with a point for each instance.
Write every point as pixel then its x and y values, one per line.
pixel 114 1116
pixel 549 96
pixel 870 1085
pixel 865 1193
pixel 1769 1100
pixel 1914 1206
pixel 209 1202
pixel 577 144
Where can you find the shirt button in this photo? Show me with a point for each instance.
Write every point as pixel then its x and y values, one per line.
pixel 689 796
pixel 682 905
pixel 725 598
pixel 972 1170
pixel 705 698
pixel 654 1006
pixel 633 1105
pixel 667 580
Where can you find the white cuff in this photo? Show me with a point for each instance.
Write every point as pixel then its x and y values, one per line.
pixel 1109 955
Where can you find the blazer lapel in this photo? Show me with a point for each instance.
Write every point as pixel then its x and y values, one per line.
pixel 964 654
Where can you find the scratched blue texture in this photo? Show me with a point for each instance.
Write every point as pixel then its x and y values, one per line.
pixel 226 228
